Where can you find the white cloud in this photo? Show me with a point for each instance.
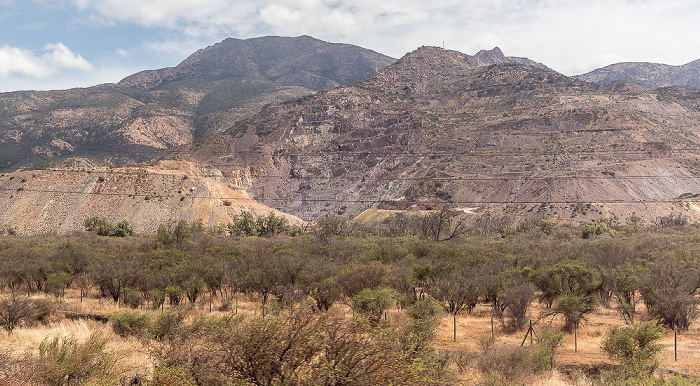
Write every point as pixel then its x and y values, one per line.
pixel 195 17
pixel 57 56
pixel 571 36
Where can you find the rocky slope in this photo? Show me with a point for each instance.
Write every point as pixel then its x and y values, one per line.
pixel 151 111
pixel 436 128
pixel 496 56
pixel 59 200
pixel 651 75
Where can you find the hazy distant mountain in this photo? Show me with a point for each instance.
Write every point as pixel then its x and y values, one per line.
pixel 652 75
pixel 151 111
pixel 435 128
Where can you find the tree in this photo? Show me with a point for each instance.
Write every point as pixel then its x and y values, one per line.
pixel 440 224
pixel 243 225
pixel 102 227
pixel 625 283
pixel 572 287
pixel 114 275
pixel 518 295
pixel 457 288
pixel 331 226
pixel 13 310
pixel 668 289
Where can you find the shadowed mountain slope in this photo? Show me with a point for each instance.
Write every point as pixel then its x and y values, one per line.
pixel 151 111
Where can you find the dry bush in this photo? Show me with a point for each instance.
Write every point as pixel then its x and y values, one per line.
pixel 509 365
pixel 300 347
pixel 14 310
pixel 14 371
pixel 63 361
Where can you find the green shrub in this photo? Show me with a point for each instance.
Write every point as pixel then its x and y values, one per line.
pixel 165 324
pixel 372 303
pixel 172 376
pixel 65 361
pixel 132 298
pixel 175 294
pixel 130 323
pixel 635 348
pixel 57 282
pixel 157 297
pixel 542 355
pixel 425 309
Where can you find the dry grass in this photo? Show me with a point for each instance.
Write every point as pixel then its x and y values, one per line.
pixel 471 329
pixel 586 354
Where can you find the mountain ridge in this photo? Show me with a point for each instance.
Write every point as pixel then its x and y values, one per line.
pixel 651 75
pixel 434 129
pixel 154 110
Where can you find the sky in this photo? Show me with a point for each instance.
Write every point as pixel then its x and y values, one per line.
pixel 58 44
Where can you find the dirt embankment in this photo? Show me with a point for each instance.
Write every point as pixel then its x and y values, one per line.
pixel 59 200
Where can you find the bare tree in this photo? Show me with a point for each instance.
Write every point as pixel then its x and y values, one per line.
pixel 14 310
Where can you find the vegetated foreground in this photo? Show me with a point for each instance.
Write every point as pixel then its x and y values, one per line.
pixel 347 306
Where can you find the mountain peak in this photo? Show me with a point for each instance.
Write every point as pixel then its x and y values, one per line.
pixel 496 56
pixel 422 66
pixel 489 57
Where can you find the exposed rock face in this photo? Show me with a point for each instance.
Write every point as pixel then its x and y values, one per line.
pixel 151 111
pixel 651 75
pixel 436 128
pixel 59 200
pixel 495 56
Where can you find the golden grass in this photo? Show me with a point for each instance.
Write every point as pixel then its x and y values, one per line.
pixel 585 352
pixel 134 355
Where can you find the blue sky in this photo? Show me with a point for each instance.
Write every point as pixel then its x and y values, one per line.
pixel 54 44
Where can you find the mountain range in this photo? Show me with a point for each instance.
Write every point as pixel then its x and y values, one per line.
pixel 148 112
pixel 435 129
pixel 313 128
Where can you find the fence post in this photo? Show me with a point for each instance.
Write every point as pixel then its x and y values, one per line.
pixel 576 337
pixel 454 326
pixel 532 332
pixel 675 344
pixel 492 332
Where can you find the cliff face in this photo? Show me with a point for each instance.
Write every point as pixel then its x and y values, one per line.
pixel 149 112
pixel 435 128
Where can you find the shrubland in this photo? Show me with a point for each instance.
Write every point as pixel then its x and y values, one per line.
pixel 322 298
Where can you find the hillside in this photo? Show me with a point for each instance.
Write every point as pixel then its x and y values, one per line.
pixel 651 75
pixel 59 200
pixel 146 113
pixel 435 128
